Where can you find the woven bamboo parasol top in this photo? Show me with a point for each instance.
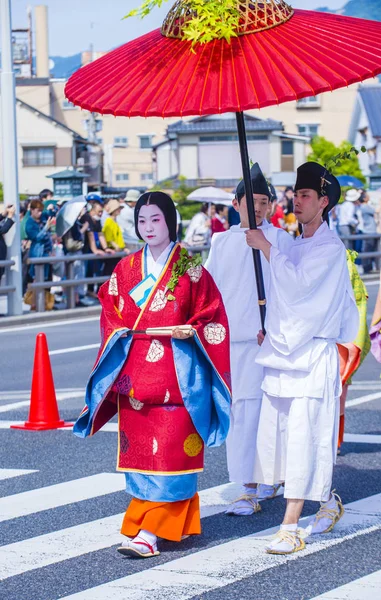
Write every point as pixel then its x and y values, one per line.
pixel 255 15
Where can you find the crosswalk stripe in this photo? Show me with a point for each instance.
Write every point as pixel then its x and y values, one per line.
pixel 354 438
pixel 201 572
pixel 74 349
pixel 362 400
pixel 361 589
pixel 9 473
pixel 33 501
pixel 359 438
pixel 24 394
pixel 60 397
pixel 64 544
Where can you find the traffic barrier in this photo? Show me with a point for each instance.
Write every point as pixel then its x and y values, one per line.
pixel 43 411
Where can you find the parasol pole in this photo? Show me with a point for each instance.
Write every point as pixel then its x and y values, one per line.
pixel 251 214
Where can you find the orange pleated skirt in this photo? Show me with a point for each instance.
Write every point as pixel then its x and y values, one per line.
pixel 167 520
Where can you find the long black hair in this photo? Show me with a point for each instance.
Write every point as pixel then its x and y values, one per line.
pixel 167 207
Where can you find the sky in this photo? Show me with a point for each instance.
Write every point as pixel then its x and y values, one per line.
pixel 76 24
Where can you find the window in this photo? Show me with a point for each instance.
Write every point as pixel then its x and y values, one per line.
pixel 145 141
pixel 122 177
pixel 93 125
pixel 121 142
pixel 287 158
pixel 309 102
pixel 66 105
pixel 146 176
pixel 38 157
pixel 309 129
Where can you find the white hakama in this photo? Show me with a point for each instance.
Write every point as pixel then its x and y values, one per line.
pixel 311 308
pixel 231 265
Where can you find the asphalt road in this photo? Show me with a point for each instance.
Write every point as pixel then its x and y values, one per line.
pixel 62 541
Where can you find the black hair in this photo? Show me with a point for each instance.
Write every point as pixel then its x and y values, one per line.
pixel 45 193
pixel 204 207
pixel 167 207
pixel 219 208
pixel 290 207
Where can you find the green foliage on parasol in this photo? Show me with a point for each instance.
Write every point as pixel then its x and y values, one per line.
pixel 206 20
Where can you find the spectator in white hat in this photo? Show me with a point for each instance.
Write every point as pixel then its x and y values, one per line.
pixel 126 219
pixel 348 220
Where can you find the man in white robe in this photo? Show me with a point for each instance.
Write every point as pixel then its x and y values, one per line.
pixel 311 308
pixel 230 263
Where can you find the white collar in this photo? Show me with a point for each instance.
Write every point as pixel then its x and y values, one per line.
pixel 155 267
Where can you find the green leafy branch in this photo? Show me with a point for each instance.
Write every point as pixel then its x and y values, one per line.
pixel 144 9
pixel 337 160
pixel 206 19
pixel 179 269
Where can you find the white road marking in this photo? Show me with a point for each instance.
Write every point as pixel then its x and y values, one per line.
pixel 23 394
pixel 74 541
pixel 59 396
pixel 369 382
pixel 34 501
pixel 73 349
pixel 361 438
pixel 201 572
pixel 365 386
pixel 354 438
pixel 361 589
pixel 375 282
pixel 43 326
pixel 362 399
pixel 78 393
pixel 9 473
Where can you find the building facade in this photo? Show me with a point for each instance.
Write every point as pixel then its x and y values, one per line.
pixel 45 144
pixel 365 130
pixel 205 151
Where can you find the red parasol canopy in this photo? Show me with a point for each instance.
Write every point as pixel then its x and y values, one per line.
pixel 153 75
pixel 279 55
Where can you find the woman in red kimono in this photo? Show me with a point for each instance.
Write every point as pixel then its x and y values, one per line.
pixel 171 392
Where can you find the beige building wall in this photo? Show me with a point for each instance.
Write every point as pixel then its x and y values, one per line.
pixel 332 115
pixel 36 131
pixel 121 159
pixel 37 96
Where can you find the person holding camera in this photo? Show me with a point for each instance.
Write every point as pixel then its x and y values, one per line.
pixel 6 222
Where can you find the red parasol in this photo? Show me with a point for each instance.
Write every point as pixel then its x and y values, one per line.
pixel 279 55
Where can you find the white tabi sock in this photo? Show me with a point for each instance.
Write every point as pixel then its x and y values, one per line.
pixel 245 505
pixel 148 537
pixel 266 492
pixel 327 516
pixel 293 527
pixel 288 543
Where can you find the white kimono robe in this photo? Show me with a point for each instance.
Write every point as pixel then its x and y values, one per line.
pixel 230 263
pixel 311 308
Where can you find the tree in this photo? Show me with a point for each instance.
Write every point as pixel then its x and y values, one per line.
pixel 179 194
pixel 1 193
pixel 323 151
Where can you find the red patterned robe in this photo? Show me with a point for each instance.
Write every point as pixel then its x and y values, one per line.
pixel 172 396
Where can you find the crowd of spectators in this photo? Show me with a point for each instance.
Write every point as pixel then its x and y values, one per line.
pixel 105 228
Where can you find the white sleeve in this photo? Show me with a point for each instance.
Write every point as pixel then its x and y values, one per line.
pixel 307 296
pixel 211 264
pixel 285 241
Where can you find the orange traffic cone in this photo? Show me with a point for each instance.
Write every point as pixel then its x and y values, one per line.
pixel 43 411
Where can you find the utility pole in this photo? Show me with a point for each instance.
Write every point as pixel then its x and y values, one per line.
pixel 10 165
